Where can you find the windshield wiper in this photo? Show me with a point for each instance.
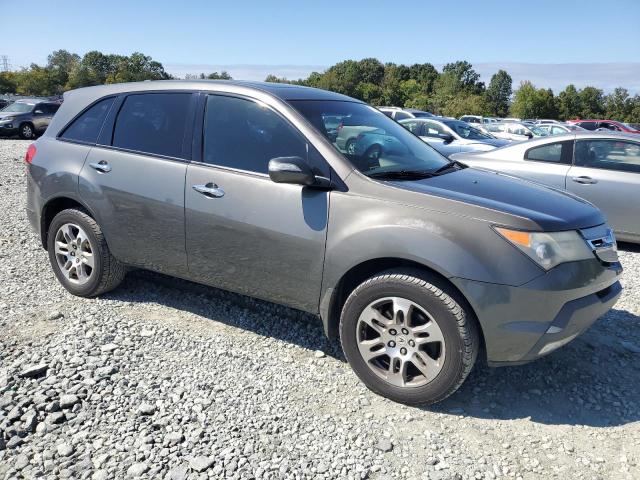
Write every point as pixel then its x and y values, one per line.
pixel 402 174
pixel 448 166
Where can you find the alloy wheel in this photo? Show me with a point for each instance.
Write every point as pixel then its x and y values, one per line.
pixel 74 254
pixel 400 342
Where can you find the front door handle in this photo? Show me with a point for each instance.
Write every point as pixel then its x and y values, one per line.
pixel 101 166
pixel 210 190
pixel 585 180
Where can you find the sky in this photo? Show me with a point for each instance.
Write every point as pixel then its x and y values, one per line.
pixel 583 41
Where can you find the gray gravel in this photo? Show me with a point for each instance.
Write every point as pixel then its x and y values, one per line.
pixel 167 379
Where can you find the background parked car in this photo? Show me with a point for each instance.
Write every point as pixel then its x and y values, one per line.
pixel 3 103
pixel 27 117
pixel 347 132
pixel 398 113
pixel 560 128
pixel 603 168
pixel 477 119
pixel 452 136
pixel 607 125
pixel 515 131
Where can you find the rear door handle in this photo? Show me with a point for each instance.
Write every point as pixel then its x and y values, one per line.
pixel 585 180
pixel 210 190
pixel 101 166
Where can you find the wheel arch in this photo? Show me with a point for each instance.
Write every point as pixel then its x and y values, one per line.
pixel 334 298
pixel 52 207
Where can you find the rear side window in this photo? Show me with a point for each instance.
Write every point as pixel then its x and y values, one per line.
pixel 153 123
pixel 87 126
pixel 620 155
pixel 559 152
pixel 588 125
pixel 244 134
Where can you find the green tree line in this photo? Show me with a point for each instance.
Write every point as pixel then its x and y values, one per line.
pixel 454 91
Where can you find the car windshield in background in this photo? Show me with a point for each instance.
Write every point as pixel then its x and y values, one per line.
pixel 538 131
pixel 466 131
pixel 18 108
pixel 371 141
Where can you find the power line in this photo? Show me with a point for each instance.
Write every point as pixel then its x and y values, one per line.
pixel 4 63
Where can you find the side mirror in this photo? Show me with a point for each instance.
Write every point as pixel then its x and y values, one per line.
pixel 447 137
pixel 528 135
pixel 296 171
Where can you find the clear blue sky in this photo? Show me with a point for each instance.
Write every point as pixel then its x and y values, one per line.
pixel 291 38
pixel 322 33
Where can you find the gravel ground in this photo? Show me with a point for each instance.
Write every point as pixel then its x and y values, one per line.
pixel 166 379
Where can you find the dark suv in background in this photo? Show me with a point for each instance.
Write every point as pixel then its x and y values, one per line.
pixel 27 117
pixel 412 260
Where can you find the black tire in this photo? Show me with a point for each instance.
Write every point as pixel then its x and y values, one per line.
pixel 350 146
pixel 27 131
pixel 107 273
pixel 457 324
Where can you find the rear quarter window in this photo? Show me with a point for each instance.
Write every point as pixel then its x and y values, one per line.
pixel 87 126
pixel 559 152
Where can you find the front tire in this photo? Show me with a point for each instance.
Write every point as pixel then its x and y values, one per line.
pixel 79 255
pixel 27 132
pixel 408 337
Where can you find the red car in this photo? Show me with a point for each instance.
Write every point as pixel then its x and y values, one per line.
pixel 607 125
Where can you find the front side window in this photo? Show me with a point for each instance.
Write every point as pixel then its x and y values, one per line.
pixel 413 126
pixel 87 126
pixel 552 153
pixel 557 130
pixel 466 131
pixel 433 129
pixel 608 154
pixel 369 140
pixel 245 134
pixel 153 123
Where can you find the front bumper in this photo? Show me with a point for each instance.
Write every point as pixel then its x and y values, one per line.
pixel 526 322
pixel 8 130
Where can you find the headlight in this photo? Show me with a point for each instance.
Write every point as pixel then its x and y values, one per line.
pixel 549 249
pixel 6 120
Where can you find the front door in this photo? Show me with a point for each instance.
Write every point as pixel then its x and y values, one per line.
pixel 607 173
pixel 246 233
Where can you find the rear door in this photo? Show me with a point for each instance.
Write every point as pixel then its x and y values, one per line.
pixel 134 178
pixel 607 173
pixel 246 233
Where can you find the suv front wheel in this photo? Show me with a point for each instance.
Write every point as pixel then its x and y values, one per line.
pixel 79 255
pixel 408 339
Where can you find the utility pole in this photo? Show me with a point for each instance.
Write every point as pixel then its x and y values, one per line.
pixel 4 63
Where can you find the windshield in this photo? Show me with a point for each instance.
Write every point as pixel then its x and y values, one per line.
pixel 467 131
pixel 537 131
pixel 18 108
pixel 370 140
pixel 422 114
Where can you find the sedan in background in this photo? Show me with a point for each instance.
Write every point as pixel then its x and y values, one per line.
pixel 452 136
pixel 560 128
pixel 604 125
pixel 515 131
pixel 603 168
pixel 398 113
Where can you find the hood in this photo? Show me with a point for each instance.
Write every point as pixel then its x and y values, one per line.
pixel 8 115
pixel 551 209
pixel 496 142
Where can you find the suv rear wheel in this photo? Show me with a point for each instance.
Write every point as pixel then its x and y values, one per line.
pixel 79 255
pixel 407 338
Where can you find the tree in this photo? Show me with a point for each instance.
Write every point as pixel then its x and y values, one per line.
pixel 8 82
pixel 468 78
pixel 569 103
pixel 60 64
pixel 137 67
pixel 525 101
pixel 425 74
pixel 498 93
pixel 37 81
pixel 591 102
pixel 618 104
pixel 223 75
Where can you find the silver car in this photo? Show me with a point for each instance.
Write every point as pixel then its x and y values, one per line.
pixel 452 136
pixel 603 168
pixel 560 128
pixel 514 131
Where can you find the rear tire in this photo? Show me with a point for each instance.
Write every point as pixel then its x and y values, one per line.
pixel 80 256
pixel 419 339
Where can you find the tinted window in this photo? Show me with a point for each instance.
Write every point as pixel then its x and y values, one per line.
pixel 608 154
pixel 153 123
pixel 433 129
pixel 86 127
pixel 551 152
pixel 588 125
pixel 244 134
pixel 388 113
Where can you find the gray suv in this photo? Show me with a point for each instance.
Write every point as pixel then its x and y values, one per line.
pixel 27 117
pixel 416 263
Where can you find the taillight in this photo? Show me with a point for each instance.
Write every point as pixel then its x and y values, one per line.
pixel 31 153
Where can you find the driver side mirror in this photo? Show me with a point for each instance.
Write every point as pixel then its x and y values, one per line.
pixel 296 171
pixel 447 137
pixel 528 135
